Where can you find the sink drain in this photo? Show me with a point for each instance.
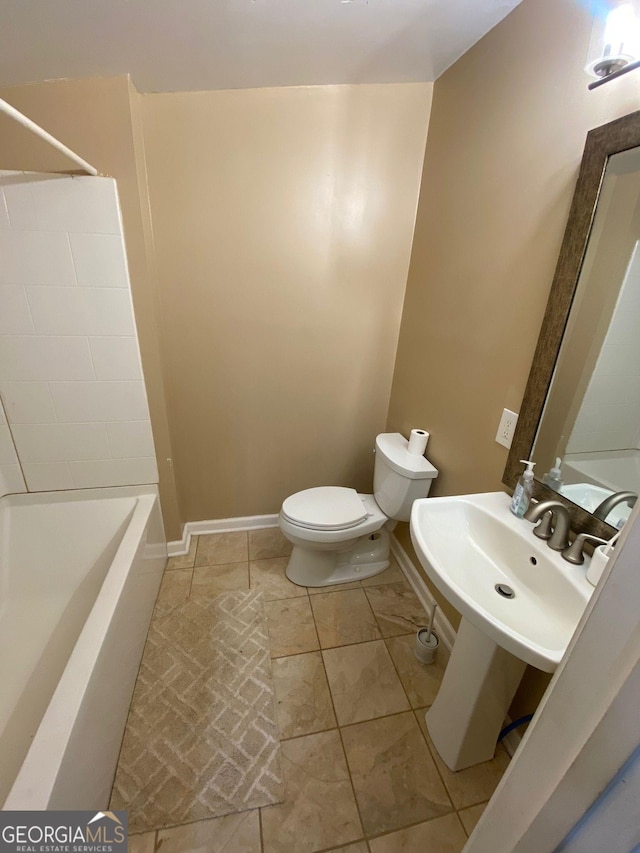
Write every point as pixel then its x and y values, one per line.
pixel 504 590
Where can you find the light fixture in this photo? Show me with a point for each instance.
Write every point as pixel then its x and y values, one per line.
pixel 614 49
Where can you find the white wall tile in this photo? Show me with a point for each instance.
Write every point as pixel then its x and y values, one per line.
pixel 15 317
pixel 70 372
pixel 11 480
pixel 81 311
pixel 4 216
pixel 128 439
pixel 32 257
pixel 114 472
pixel 116 358
pixel 85 205
pixel 28 402
pixel 7 450
pixel 82 402
pixel 21 210
pixel 47 476
pixel 99 260
pixel 37 358
pixel 61 442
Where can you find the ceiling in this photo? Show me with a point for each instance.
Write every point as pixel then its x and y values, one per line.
pixel 181 45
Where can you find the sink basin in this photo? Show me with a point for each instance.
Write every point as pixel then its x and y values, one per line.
pixel 469 544
pixel 520 603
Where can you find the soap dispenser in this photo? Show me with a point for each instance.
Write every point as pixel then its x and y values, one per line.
pixel 523 491
pixel 553 478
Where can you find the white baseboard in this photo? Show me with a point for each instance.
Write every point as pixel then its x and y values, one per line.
pixel 219 525
pixel 442 626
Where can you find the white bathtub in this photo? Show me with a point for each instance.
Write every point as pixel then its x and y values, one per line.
pixel 617 470
pixel 79 574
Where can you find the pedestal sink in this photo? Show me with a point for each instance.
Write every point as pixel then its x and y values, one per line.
pixel 520 603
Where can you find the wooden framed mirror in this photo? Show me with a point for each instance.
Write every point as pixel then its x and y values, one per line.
pixel 563 331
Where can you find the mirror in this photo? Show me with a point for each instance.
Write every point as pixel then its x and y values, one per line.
pixel 582 400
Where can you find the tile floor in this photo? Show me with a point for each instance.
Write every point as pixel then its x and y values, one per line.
pixel 361 774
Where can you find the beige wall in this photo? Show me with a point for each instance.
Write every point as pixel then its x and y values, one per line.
pixel 283 221
pixel 506 134
pixel 98 118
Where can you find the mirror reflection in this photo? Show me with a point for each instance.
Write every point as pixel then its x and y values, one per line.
pixel 587 446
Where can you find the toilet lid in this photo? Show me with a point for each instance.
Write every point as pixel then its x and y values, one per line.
pixel 325 508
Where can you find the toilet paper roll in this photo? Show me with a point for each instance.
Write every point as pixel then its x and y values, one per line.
pixel 418 441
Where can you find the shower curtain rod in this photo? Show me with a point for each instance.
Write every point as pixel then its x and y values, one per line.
pixel 47 137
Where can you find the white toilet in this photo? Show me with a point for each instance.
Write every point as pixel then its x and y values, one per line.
pixel 340 536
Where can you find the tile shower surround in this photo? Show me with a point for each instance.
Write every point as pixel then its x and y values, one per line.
pixel 70 372
pixel 361 773
pixel 11 479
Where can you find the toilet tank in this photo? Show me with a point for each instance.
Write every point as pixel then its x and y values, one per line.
pixel 399 477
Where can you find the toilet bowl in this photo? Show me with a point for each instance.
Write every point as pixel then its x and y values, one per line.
pixel 340 536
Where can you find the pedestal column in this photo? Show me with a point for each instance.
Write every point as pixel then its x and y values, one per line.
pixel 478 685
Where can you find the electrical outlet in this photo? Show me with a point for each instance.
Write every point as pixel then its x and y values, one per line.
pixel 507 427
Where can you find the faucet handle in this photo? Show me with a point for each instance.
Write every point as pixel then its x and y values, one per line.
pixel 561 522
pixel 544 530
pixel 573 553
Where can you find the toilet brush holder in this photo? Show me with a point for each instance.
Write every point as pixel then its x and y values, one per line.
pixel 426 645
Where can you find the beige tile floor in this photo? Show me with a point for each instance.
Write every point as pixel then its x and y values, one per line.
pixel 361 774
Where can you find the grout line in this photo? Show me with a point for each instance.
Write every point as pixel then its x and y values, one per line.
pixel 315 628
pixel 219 565
pixel 433 758
pixel 190 584
pixel 344 751
pixel 327 590
pixel 15 445
pixel 375 618
pixel 433 753
pixel 483 803
pixel 464 828
pixel 73 260
pixel 93 364
pixel 412 825
pixel 332 648
pixel 375 719
pixel 308 734
pixel 29 311
pixel 362 839
pixel 397 670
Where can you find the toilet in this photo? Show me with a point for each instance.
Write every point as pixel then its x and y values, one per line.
pixel 339 535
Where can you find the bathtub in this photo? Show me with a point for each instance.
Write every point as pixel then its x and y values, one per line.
pixel 617 470
pixel 79 575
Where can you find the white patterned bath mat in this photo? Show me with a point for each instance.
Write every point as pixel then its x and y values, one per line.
pixel 201 738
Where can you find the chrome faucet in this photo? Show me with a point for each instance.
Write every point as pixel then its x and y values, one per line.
pixel 603 509
pixel 559 536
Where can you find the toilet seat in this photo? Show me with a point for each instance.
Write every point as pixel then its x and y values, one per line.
pixel 325 508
